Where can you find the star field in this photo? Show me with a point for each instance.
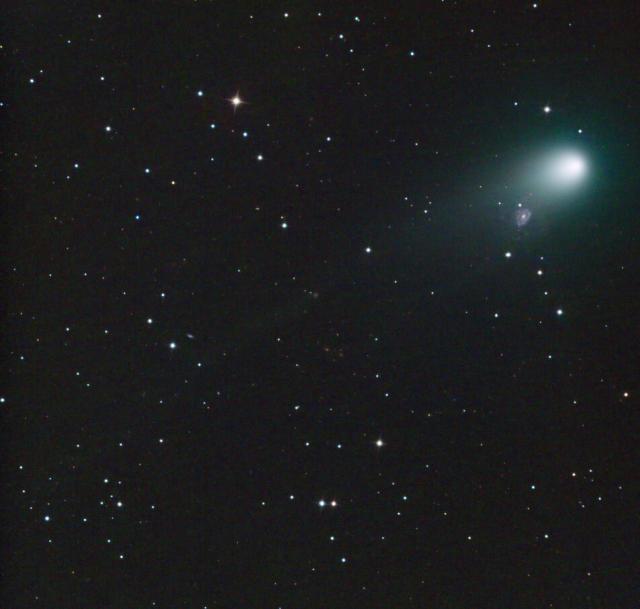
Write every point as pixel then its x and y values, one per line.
pixel 320 305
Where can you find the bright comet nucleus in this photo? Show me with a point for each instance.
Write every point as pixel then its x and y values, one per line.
pixel 549 175
pixel 564 169
pixel 569 168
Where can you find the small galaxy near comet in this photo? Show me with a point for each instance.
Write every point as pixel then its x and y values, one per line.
pixel 320 305
pixel 523 215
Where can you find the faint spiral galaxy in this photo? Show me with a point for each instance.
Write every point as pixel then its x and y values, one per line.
pixel 523 215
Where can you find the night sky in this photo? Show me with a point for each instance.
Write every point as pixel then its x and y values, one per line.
pixel 320 305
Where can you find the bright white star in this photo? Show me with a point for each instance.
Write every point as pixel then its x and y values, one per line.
pixel 236 101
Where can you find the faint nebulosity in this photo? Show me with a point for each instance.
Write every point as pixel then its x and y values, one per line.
pixel 320 305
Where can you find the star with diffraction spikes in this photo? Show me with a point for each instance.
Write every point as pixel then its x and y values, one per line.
pixel 236 101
